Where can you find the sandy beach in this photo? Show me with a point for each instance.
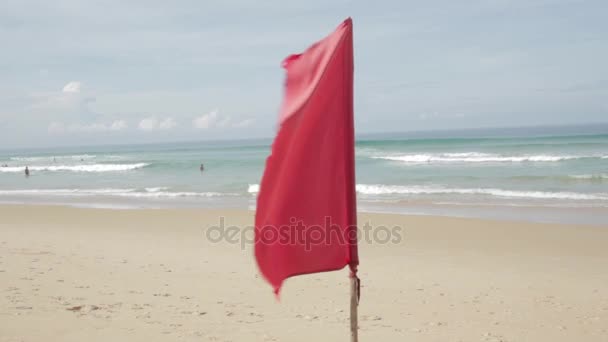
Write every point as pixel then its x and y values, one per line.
pixel 70 274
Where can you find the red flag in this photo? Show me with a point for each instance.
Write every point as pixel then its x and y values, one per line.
pixel 306 210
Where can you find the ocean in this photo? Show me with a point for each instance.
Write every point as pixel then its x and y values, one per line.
pixel 546 174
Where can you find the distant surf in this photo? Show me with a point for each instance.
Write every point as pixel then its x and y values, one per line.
pixel 381 189
pixel 476 157
pixel 592 177
pixel 76 168
pixel 393 172
pixel 253 188
pixel 378 189
pixel 160 192
pixel 52 158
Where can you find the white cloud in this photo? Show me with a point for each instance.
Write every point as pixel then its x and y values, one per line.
pixel 69 104
pixel 58 127
pixel 118 125
pixel 168 123
pixel 214 119
pixel 153 124
pixel 72 87
pixel 243 123
pixel 148 124
pixel 206 121
pixel 225 122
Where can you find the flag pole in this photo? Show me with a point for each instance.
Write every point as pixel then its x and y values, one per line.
pixel 354 303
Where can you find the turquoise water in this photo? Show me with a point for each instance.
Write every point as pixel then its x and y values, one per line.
pixel 550 170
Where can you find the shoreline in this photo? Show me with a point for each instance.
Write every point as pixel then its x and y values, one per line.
pixel 593 216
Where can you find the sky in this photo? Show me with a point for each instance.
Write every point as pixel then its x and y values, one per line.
pixel 75 72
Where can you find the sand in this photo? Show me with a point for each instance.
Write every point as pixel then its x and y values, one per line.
pixel 69 274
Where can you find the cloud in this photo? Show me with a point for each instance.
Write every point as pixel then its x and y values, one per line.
pixel 59 128
pixel 244 123
pixel 72 87
pixel 148 124
pixel 72 103
pixel 118 125
pixel 153 124
pixel 214 119
pixel 206 121
pixel 225 122
pixel 168 123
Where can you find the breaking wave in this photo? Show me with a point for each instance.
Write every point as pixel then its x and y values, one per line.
pixel 51 158
pixel 475 157
pixel 367 189
pixel 596 177
pixel 134 193
pixel 253 188
pixel 380 189
pixel 76 168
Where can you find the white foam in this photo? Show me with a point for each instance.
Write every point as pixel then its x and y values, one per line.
pixel 153 193
pixel 467 155
pixel 157 189
pixel 51 158
pixel 473 157
pixel 65 192
pixel 379 189
pixel 76 168
pixel 590 176
pixel 167 194
pixel 253 188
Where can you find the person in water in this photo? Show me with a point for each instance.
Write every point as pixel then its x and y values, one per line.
pixel 27 172
pixel 202 168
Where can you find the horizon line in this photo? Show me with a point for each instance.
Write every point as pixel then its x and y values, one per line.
pixel 358 136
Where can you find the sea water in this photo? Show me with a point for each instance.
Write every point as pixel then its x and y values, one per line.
pixel 541 174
